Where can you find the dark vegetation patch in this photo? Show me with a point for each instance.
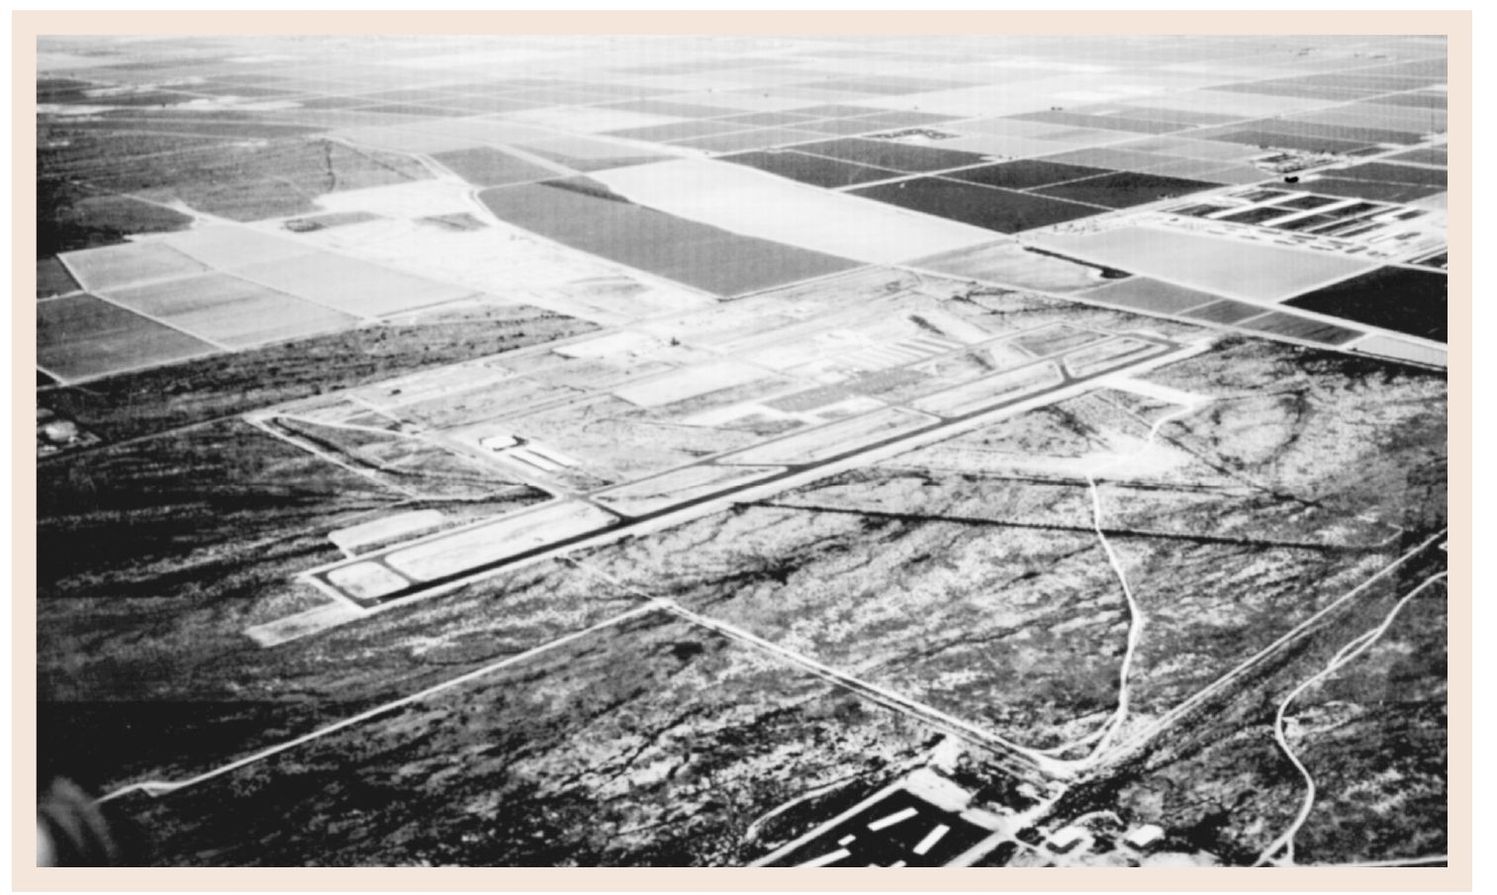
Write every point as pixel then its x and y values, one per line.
pixel 242 90
pixel 1225 311
pixel 1355 210
pixel 136 404
pixel 333 102
pixel 1414 100
pixel 1002 210
pixel 1025 173
pixel 52 278
pixel 1433 155
pixel 147 507
pixel 812 169
pixel 71 217
pixel 572 212
pixel 1374 190
pixel 1305 223
pixel 1386 80
pixel 1396 298
pixel 486 166
pixel 578 162
pixel 1256 215
pixel 1123 189
pixel 650 745
pixel 899 156
pixel 129 99
pixel 1293 88
pixel 1384 172
pixel 226 124
pixel 1307 143
pixel 416 111
pixel 1306 203
pixel 1199 211
pixel 243 181
pixel 1297 327
pixel 1439 260
pixel 60 90
pixel 85 150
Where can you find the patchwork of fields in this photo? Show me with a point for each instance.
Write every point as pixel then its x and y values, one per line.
pixel 933 137
pixel 686 450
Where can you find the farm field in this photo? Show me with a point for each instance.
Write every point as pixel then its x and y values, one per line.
pixel 485 166
pixel 231 311
pixel 602 450
pixel 80 336
pixel 1233 270
pixel 1400 299
pixel 741 200
pixel 1025 174
pixel 596 220
pixel 1150 295
pixel 164 307
pixel 1125 189
pixel 1003 211
pixel 812 169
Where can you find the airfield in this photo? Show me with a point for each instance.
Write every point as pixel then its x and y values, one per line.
pixel 714 452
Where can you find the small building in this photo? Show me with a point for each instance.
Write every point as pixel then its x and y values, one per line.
pixel 1066 839
pixel 498 442
pixel 60 431
pixel 1144 837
